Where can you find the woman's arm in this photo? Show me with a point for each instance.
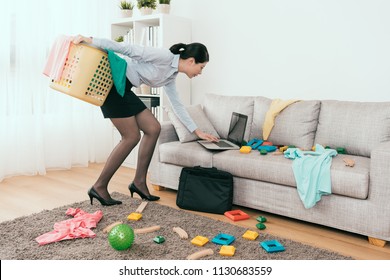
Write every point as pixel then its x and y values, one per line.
pixel 182 114
pixel 136 52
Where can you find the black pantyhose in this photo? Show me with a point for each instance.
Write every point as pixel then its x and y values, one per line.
pixel 129 128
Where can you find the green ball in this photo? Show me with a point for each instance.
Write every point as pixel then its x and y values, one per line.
pixel 121 237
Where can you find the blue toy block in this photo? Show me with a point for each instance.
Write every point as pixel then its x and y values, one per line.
pixel 272 246
pixel 255 143
pixel 223 239
pixel 267 148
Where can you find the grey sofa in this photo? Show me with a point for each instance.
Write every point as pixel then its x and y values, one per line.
pixel 360 199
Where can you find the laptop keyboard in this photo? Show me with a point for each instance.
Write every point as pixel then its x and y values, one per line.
pixel 223 144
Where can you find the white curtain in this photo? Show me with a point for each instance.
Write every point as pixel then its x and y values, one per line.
pixel 40 128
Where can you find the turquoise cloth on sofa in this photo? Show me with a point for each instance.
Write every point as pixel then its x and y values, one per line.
pixel 118 71
pixel 312 173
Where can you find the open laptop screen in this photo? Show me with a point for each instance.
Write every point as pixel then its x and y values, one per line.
pixel 237 128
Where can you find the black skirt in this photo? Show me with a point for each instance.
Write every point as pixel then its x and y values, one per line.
pixel 117 106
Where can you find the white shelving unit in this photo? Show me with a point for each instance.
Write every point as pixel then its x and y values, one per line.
pixel 162 31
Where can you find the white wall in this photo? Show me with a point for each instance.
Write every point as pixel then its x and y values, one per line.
pixel 307 49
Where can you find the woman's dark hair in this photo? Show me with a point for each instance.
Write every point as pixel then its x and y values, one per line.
pixel 196 50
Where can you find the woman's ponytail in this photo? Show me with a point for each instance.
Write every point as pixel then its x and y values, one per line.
pixel 196 50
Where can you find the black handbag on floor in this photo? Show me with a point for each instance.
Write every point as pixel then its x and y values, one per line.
pixel 205 189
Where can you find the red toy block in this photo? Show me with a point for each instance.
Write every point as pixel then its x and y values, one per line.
pixel 236 215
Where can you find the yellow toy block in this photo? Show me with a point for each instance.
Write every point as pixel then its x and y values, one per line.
pixel 199 240
pixel 245 149
pixel 227 250
pixel 134 216
pixel 250 235
pixel 283 149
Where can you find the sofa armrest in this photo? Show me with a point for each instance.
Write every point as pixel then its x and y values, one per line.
pixel 379 173
pixel 168 133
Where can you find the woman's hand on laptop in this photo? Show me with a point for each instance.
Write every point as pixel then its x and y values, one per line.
pixel 206 136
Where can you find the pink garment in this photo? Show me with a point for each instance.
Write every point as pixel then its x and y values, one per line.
pixel 78 227
pixel 57 57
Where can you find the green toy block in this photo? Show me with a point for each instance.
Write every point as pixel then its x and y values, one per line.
pixel 159 239
pixel 261 219
pixel 261 226
pixel 263 152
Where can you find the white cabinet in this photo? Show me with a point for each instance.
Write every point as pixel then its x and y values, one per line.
pixel 157 30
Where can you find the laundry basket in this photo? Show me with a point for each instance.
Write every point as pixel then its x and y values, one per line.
pixel 86 74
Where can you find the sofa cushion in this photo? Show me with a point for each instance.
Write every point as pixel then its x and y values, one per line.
pixel 295 125
pixel 346 181
pixel 185 154
pixel 198 116
pixel 356 126
pixel 219 108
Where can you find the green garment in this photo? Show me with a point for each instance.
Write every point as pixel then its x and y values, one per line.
pixel 118 71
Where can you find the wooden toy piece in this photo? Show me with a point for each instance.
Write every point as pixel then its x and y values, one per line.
pixel 272 246
pixel 200 254
pixel 227 251
pixel 250 235
pixel 181 232
pixel 236 215
pixel 349 162
pixel 147 229
pixel 267 143
pixel 135 216
pixel 159 239
pixel 277 153
pixel 108 228
pixel 199 240
pixel 245 149
pixel 223 239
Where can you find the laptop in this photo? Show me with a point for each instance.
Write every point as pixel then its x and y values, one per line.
pixel 235 136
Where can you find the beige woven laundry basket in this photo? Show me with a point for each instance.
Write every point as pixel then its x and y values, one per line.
pixel 86 74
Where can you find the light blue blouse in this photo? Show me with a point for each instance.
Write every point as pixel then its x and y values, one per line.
pixel 155 67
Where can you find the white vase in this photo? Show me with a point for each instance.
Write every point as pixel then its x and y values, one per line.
pixel 146 11
pixel 126 13
pixel 164 8
pixel 145 89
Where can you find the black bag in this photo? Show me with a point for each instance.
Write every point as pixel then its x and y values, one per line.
pixel 205 190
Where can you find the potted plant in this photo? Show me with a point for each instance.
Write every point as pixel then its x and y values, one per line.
pixel 146 7
pixel 126 8
pixel 164 6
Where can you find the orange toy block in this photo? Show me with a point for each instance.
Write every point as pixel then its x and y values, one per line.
pixel 236 215
pixel 227 250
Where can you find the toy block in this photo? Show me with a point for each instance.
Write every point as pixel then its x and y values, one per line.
pixel 261 226
pixel 236 215
pixel 263 152
pixel 159 239
pixel 199 240
pixel 223 239
pixel 250 235
pixel 261 219
pixel 245 149
pixel 341 150
pixel 283 148
pixel 134 216
pixel 227 251
pixel 267 148
pixel 272 246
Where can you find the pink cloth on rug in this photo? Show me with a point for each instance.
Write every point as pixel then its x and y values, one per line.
pixel 57 57
pixel 78 227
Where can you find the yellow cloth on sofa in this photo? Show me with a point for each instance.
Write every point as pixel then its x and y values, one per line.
pixel 277 105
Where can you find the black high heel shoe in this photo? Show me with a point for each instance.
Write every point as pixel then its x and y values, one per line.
pixel 133 188
pixel 93 194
